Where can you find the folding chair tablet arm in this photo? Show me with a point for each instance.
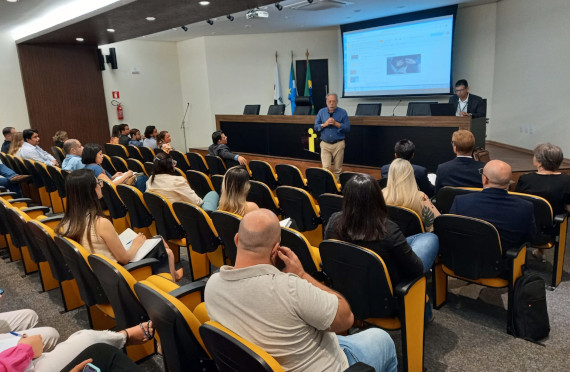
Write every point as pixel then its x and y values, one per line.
pixel 516 258
pixel 191 294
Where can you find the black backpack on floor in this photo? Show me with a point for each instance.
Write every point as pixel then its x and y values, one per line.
pixel 530 314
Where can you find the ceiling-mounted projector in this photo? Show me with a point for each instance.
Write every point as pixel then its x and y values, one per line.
pixel 256 13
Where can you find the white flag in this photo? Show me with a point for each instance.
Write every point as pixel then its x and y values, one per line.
pixel 277 97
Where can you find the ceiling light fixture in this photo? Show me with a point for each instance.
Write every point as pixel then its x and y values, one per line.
pixel 150 19
pixel 210 22
pixel 310 1
pixel 110 30
pixel 12 1
pixel 204 3
pixel 230 17
pixel 279 6
pixel 184 28
pixel 80 39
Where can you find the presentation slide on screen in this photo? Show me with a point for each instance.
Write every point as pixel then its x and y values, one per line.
pixel 399 59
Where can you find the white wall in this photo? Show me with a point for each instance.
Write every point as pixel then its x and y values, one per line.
pixel 530 88
pixel 13 108
pixel 151 97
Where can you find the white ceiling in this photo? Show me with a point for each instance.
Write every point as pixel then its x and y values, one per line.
pixel 287 20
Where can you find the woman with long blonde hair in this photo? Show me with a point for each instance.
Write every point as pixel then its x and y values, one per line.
pixel 402 190
pixel 17 142
pixel 235 188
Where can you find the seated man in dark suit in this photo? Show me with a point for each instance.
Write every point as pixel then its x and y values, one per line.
pixel 404 149
pixel 467 104
pixel 512 216
pixel 462 171
pixel 220 148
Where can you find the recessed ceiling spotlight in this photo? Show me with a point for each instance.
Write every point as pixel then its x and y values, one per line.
pixel 150 18
pixel 279 6
pixel 310 1
pixel 110 30
pixel 12 1
pixel 230 17
pixel 204 3
pixel 80 39
pixel 210 22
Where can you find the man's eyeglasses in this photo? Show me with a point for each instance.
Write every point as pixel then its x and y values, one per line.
pixel 459 90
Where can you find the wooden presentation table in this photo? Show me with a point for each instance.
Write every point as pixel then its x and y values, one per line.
pixel 370 142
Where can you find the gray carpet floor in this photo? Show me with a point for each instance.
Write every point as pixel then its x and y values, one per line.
pixel 467 334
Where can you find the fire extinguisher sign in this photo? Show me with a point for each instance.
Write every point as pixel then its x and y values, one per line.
pixel 116 95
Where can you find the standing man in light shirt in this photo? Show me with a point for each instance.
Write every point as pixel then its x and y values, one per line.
pixel 467 104
pixel 31 149
pixel 332 122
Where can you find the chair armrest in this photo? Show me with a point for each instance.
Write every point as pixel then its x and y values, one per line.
pixel 559 218
pixel 34 209
pixel 51 221
pixel 359 367
pixel 187 289
pixel 404 286
pixel 191 295
pixel 8 193
pixel 142 269
pixel 516 259
pixel 20 200
pixel 139 264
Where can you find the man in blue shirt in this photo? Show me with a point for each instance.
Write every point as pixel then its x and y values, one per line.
pixel 332 122
pixel 136 138
pixel 73 150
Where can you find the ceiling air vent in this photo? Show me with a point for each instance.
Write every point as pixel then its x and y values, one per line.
pixel 319 5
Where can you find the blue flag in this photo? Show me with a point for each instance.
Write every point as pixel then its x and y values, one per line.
pixel 292 88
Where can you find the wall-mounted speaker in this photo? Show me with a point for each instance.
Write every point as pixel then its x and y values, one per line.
pixel 101 59
pixel 112 58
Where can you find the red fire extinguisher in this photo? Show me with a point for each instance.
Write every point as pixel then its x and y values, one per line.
pixel 120 112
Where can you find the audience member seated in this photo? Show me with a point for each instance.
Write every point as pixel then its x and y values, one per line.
pixel 59 138
pixel 20 322
pixel 402 190
pixel 150 134
pixel 73 150
pixel 8 132
pixel 135 138
pixel 512 216
pixel 92 157
pixel 405 149
pixel 547 182
pixel 463 171
pixel 166 181
pixel 124 131
pixel 28 354
pixel 85 223
pixel 364 221
pixel 220 148
pixel 235 188
pixel 115 134
pixel 31 150
pixel 288 313
pixel 114 140
pixel 10 179
pixel 16 144
pixel 163 140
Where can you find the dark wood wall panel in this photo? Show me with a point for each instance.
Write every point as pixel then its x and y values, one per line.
pixel 64 91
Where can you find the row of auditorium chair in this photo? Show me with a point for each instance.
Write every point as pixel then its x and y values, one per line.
pixel 209 239
pixel 106 288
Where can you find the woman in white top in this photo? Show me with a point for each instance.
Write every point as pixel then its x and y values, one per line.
pixel 402 190
pixel 84 222
pixel 166 182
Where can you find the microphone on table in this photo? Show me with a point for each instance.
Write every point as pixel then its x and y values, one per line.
pixel 394 110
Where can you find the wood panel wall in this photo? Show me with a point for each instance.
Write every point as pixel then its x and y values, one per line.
pixel 64 91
